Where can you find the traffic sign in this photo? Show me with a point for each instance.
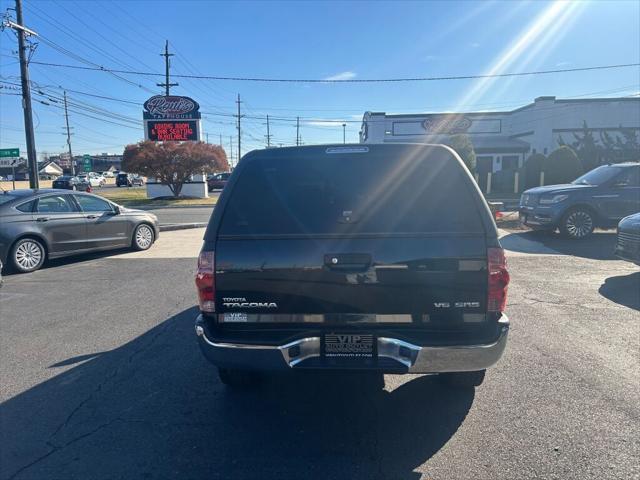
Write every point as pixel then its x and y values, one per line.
pixel 86 163
pixel 9 152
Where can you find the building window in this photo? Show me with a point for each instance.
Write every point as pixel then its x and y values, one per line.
pixel 510 162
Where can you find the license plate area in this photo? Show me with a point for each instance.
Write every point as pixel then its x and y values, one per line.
pixel 349 349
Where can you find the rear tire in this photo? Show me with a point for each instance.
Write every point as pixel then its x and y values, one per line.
pixel 463 379
pixel 577 223
pixel 236 378
pixel 27 255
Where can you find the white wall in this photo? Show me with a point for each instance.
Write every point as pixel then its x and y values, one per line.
pixel 197 188
pixel 538 124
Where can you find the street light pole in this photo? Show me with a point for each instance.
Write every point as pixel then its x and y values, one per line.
pixel 344 134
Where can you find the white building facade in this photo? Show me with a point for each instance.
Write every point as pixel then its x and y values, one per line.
pixel 504 140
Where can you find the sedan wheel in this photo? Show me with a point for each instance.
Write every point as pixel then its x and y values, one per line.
pixel 143 237
pixel 27 255
pixel 578 224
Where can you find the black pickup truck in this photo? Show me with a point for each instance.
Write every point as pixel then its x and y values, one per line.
pixel 352 257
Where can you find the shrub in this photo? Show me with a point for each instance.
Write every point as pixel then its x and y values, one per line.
pixel 463 146
pixel 531 170
pixel 562 166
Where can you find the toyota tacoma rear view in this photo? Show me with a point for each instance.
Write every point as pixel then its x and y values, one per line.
pixel 351 257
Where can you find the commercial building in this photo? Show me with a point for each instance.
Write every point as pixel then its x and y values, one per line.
pixel 96 163
pixel 503 140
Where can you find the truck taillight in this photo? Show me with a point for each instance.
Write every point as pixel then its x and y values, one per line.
pixel 205 282
pixel 498 280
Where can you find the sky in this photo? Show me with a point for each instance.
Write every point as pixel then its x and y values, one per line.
pixel 304 40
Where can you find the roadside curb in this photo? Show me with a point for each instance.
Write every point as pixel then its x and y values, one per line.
pixel 158 207
pixel 169 227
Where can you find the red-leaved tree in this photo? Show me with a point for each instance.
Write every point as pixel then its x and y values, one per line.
pixel 173 163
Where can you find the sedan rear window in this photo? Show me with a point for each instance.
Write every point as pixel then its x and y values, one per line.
pixel 352 194
pixel 26 207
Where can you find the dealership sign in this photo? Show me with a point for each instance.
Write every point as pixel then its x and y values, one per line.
pixel 446 124
pixel 171 119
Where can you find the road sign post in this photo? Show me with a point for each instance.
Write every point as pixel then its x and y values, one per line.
pixel 86 163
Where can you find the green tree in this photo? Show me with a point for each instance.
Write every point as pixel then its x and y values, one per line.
pixel 628 146
pixel 587 149
pixel 532 168
pixel 461 143
pixel 562 166
pixel 173 163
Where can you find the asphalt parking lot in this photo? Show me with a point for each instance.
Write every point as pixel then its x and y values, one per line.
pixel 101 377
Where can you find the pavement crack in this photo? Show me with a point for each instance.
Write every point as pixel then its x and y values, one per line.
pixel 57 448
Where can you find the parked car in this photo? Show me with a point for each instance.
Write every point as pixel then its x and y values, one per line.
pixel 598 199
pixel 108 174
pixel 628 239
pixel 218 181
pixel 137 180
pixel 67 182
pixel 341 257
pixel 37 225
pixel 129 180
pixel 99 177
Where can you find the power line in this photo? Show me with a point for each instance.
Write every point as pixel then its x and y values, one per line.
pixel 350 80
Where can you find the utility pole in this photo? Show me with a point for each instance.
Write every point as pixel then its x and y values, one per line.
pixel 344 134
pixel 66 118
pixel 32 160
pixel 207 135
pixel 239 132
pixel 297 131
pixel 220 139
pixel 167 64
pixel 268 133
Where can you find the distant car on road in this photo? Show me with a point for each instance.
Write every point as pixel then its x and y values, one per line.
pixel 92 180
pixel 37 225
pixel 67 182
pixel 128 180
pixel 599 198
pixel 107 174
pixel 217 181
pixel 628 239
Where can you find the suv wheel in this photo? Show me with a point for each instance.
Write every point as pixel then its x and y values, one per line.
pixel 463 379
pixel 27 255
pixel 236 378
pixel 143 237
pixel 577 223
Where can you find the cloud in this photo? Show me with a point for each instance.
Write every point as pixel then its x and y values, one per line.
pixel 562 64
pixel 342 76
pixel 474 45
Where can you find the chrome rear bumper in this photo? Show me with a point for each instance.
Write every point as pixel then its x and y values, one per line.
pixel 415 358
